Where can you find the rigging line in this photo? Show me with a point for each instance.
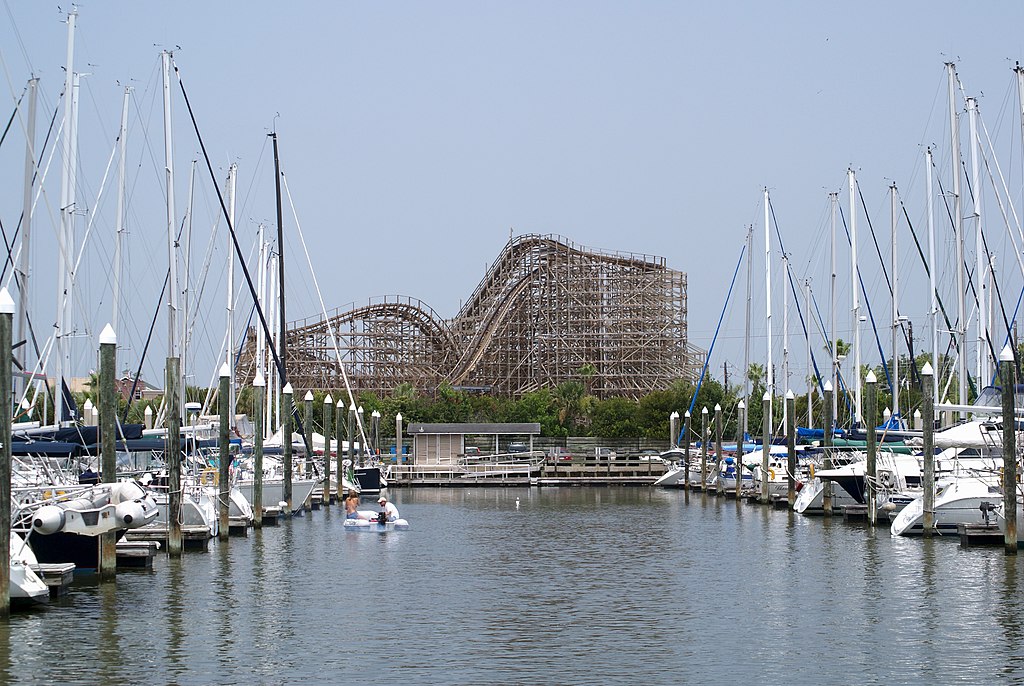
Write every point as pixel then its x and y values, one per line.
pixel 796 297
pixel 323 307
pixel 14 114
pixel 974 290
pixel 707 358
pixel 867 303
pixel 843 388
pixel 955 342
pixel 234 237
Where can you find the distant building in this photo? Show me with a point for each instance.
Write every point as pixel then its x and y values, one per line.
pixel 143 390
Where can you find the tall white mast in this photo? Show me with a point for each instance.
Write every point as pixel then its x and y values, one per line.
pixel 810 367
pixel 230 356
pixel 172 257
pixel 981 271
pixel 856 297
pixel 261 337
pixel 933 311
pixel 958 225
pixel 26 232
pixel 785 334
pixel 67 214
pixel 833 199
pixel 746 336
pixel 186 279
pixel 769 377
pixel 895 307
pixel 122 141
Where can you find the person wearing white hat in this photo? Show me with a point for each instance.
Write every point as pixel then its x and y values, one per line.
pixel 389 510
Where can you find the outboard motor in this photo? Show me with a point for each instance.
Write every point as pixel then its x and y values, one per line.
pixel 986 509
pixel 382 518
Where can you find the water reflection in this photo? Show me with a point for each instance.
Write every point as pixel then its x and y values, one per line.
pixel 572 585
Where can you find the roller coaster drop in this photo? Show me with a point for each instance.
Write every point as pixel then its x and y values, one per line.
pixel 546 312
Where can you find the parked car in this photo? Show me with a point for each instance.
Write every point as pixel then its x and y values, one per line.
pixel 605 454
pixel 473 451
pixel 518 447
pixel 556 455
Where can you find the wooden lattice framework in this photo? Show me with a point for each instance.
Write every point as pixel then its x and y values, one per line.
pixel 547 311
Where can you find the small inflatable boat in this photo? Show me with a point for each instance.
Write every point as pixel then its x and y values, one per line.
pixel 368 521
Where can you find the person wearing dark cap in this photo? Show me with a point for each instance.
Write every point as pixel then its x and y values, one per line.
pixel 387 509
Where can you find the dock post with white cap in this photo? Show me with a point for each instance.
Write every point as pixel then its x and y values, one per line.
pixel 224 462
pixel 328 421
pixel 790 448
pixel 259 387
pixel 108 446
pixel 826 494
pixel 286 444
pixel 928 449
pixel 871 476
pixel 1009 451
pixel 6 324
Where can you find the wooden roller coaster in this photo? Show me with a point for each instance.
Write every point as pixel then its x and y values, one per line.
pixel 546 311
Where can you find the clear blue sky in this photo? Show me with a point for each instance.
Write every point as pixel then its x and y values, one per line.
pixel 415 136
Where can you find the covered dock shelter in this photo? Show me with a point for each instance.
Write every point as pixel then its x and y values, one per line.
pixel 446 443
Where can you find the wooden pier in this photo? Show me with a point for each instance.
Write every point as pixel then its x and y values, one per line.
pixel 136 554
pixel 194 537
pixel 57 576
pixel 972 535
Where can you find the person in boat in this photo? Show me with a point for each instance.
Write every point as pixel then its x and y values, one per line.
pixel 389 510
pixel 352 506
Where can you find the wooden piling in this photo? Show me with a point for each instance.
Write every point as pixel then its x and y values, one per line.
pixel 718 447
pixel 826 495
pixel 790 448
pixel 259 386
pixel 928 448
pixel 224 461
pixel 766 442
pixel 107 568
pixel 307 435
pixel 286 445
pixel 741 414
pixel 1007 372
pixel 686 454
pixel 175 542
pixel 6 323
pixel 328 421
pixel 872 468
pixel 704 449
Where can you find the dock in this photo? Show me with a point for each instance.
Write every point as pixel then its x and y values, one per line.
pixel 136 554
pixel 57 576
pixel 194 537
pixel 972 535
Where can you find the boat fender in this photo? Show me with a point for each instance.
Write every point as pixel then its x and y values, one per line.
pixel 49 519
pixel 771 474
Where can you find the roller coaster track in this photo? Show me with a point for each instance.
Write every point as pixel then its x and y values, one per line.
pixel 543 310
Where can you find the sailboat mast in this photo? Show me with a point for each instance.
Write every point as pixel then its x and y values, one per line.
pixel 981 272
pixel 26 233
pixel 230 356
pixel 857 417
pixel 282 335
pixel 833 199
pixel 958 225
pixel 785 335
pixel 746 336
pixel 122 142
pixel 769 376
pixel 172 258
pixel 895 307
pixel 807 344
pixel 67 214
pixel 933 311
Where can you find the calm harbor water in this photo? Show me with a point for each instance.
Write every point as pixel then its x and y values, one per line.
pixel 575 586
